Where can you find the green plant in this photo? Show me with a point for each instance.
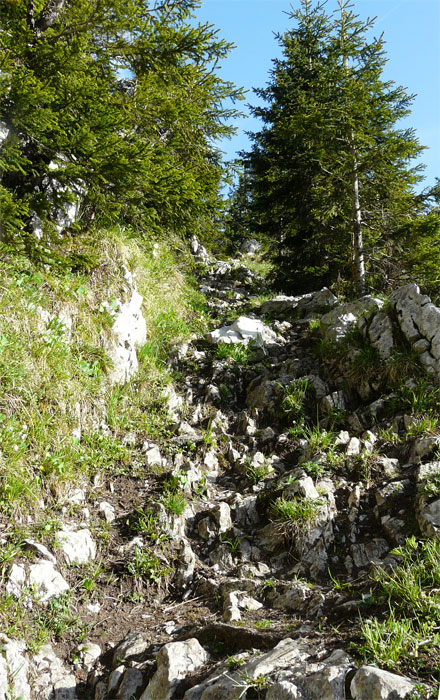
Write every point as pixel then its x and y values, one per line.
pixel 430 486
pixel 292 404
pixel 410 590
pixel 314 324
pixel 147 524
pixel 319 439
pixel 295 515
pixel 313 469
pixel 208 437
pixel 238 352
pixel 58 619
pixel 174 502
pixel 233 542
pixel 421 398
pixel 225 393
pixel 92 575
pixel 423 425
pixel 389 436
pixel 394 639
pixel 234 662
pixel 257 473
pixel 263 624
pixel 147 565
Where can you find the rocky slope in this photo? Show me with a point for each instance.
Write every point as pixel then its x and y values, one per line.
pixel 240 555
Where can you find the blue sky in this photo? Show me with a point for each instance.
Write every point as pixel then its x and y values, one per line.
pixel 412 34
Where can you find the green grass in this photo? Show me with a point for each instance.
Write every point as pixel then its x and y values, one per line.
pixel 145 564
pixel 292 404
pixel 238 352
pixel 54 379
pixel 409 630
pixel 295 516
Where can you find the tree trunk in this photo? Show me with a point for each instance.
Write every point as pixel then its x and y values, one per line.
pixel 358 243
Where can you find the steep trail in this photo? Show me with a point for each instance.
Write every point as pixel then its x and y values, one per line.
pixel 239 554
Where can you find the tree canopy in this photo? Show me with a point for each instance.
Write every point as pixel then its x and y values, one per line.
pixel 115 103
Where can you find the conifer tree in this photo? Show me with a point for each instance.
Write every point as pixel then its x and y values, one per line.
pixel 116 103
pixel 330 168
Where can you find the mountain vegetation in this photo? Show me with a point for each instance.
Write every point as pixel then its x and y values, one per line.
pixel 207 489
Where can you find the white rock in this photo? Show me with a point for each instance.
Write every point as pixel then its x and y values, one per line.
pixel 4 681
pixel 16 580
pixel 18 669
pixel 90 652
pixel 77 546
pixel 115 679
pixel 284 690
pixel 353 447
pixel 301 306
pixel 222 516
pixel 243 330
pixel 343 438
pixel 133 645
pixel 129 332
pixel 41 550
pixel 52 680
pixel 337 322
pixel 174 661
pixel 153 456
pixel 47 581
pixel 333 401
pixel 381 334
pixel 371 683
pixel 231 611
pixel 429 519
pixel 107 511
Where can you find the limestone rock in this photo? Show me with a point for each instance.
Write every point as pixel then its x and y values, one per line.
pixel 129 331
pixel 301 306
pixel 42 576
pixel 250 247
pixel 18 669
pixel 371 683
pixel 380 332
pixel 52 679
pixel 107 511
pixel 336 323
pixel 77 546
pixel 131 647
pixel 429 519
pixel 243 330
pixel 186 565
pixel 174 661
pixel 130 684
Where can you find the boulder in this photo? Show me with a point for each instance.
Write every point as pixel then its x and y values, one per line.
pixel 300 306
pixel 77 546
pixel 174 661
pixel 336 323
pixel 371 683
pixel 243 330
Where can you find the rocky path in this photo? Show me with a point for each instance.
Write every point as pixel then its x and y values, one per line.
pixel 251 541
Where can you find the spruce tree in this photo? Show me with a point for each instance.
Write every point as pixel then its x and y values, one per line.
pixel 331 168
pixel 116 104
